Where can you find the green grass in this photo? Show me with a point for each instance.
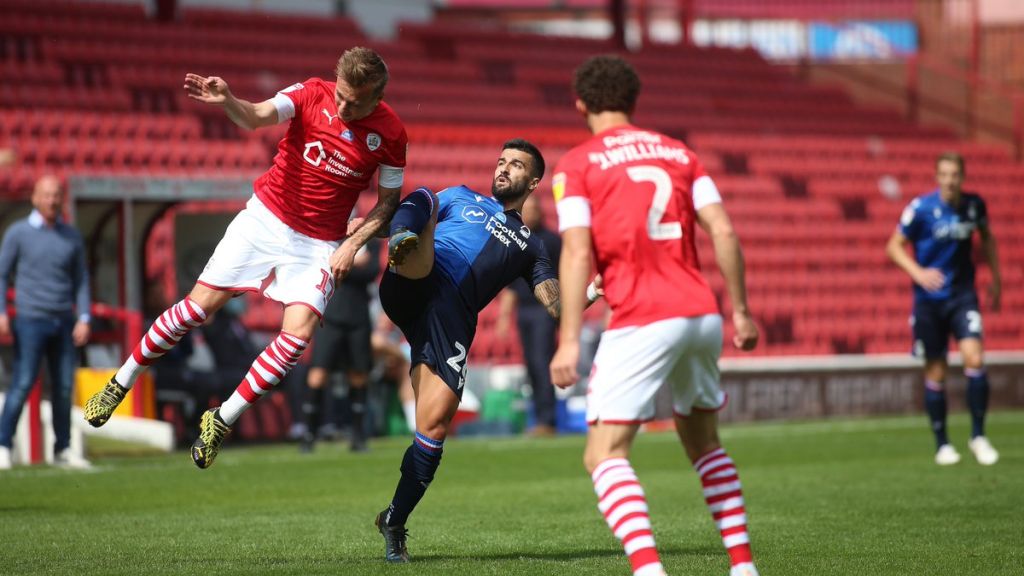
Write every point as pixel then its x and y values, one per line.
pixel 849 497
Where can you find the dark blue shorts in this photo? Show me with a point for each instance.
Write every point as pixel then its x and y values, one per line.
pixel 435 321
pixel 935 320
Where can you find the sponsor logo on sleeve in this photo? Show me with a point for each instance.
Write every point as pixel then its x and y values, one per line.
pixel 293 88
pixel 558 186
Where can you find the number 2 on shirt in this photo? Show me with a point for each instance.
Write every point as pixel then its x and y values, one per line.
pixel 656 229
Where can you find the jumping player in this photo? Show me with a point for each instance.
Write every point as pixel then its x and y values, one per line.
pixel 450 255
pixel 940 225
pixel 630 198
pixel 287 242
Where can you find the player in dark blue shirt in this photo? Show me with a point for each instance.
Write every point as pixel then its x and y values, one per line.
pixel 450 254
pixel 940 226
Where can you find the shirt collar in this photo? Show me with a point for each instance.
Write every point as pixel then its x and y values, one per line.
pixel 36 220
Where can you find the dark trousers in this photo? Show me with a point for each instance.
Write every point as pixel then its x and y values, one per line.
pixel 537 334
pixel 35 338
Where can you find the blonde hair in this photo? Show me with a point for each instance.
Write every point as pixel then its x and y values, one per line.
pixel 952 157
pixel 361 66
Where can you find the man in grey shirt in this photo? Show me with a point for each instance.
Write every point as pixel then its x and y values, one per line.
pixel 46 258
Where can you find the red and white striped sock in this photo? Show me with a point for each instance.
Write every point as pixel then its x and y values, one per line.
pixel 724 496
pixel 163 335
pixel 622 502
pixel 265 373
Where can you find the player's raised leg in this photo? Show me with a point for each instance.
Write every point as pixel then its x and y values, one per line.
pixel 620 497
pixel 721 485
pixel 411 237
pixel 436 404
pixel 266 372
pixel 163 335
pixel 977 400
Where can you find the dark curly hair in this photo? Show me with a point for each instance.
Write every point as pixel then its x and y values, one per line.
pixel 607 84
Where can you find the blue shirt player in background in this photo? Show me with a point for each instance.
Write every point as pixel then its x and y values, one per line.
pixel 449 255
pixel 940 225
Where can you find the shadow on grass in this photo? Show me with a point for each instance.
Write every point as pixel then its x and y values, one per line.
pixel 665 551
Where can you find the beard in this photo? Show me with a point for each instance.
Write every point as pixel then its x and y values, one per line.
pixel 509 192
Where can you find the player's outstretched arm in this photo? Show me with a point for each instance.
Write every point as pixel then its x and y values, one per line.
pixel 995 288
pixel 376 220
pixel 214 90
pixel 573 273
pixel 930 279
pixel 729 256
pixel 549 294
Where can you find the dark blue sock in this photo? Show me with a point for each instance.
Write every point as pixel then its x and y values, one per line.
pixel 418 467
pixel 935 405
pixel 414 211
pixel 977 399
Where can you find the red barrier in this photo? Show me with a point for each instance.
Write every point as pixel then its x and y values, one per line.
pixel 35 424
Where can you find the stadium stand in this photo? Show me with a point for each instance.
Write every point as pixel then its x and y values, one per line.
pixel 814 182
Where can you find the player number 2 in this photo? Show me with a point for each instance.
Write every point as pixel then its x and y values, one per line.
pixel 456 363
pixel 656 229
pixel 974 321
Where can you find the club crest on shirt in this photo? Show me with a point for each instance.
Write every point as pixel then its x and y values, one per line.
pixel 524 231
pixel 373 141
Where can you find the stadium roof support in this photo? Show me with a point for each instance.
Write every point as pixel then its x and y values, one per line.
pixel 124 194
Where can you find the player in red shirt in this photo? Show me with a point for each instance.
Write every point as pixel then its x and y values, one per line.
pixel 630 198
pixel 289 243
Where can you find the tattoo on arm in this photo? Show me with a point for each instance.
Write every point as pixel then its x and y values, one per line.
pixel 377 218
pixel 549 294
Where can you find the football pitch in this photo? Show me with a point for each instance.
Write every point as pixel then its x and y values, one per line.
pixel 850 497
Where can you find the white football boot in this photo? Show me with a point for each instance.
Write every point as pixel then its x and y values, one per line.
pixel 983 451
pixel 947 455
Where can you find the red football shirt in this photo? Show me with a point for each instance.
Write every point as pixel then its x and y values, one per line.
pixel 322 163
pixel 639 192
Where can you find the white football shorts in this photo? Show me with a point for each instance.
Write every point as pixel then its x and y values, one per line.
pixel 632 363
pixel 259 253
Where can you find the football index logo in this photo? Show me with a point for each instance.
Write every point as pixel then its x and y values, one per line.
pixel 473 215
